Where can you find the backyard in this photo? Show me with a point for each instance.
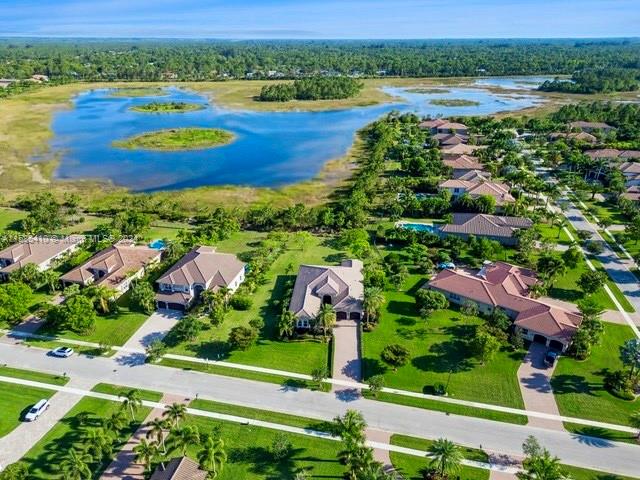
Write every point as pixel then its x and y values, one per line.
pixel 438 352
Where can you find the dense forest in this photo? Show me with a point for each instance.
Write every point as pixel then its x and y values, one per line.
pixel 600 80
pixel 181 60
pixel 314 88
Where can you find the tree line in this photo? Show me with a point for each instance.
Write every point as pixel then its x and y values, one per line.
pixel 600 80
pixel 315 88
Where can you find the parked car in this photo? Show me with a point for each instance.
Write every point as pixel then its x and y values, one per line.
pixel 550 357
pixel 62 352
pixel 444 265
pixel 37 410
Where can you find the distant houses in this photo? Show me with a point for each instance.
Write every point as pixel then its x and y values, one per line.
pixel 339 286
pixel 493 227
pixel 40 251
pixel 180 468
pixel 505 286
pixel 575 136
pixel 591 127
pixel 115 267
pixel 443 126
pixel 202 268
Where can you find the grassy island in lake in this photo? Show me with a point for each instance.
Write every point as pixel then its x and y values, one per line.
pixel 453 102
pixel 426 90
pixel 167 107
pixel 138 92
pixel 177 139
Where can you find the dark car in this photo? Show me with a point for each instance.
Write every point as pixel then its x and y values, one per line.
pixel 550 357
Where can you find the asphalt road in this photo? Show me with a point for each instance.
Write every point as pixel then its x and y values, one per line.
pixel 500 437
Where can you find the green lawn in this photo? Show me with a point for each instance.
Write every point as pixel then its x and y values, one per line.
pixel 578 385
pixel 566 288
pixel 9 217
pixel 120 390
pixel 626 305
pixel 424 444
pixel 300 356
pixel 161 229
pixel 437 348
pixel 550 233
pixel 577 473
pixel 249 454
pixel 411 468
pixel 604 210
pixel 15 401
pixel 113 329
pixel 43 459
pixel 33 375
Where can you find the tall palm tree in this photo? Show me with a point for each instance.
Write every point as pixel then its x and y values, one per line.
pixel 175 412
pixel 132 401
pixel 543 467
pixel 185 437
pixel 115 422
pixel 101 296
pixel 212 456
pixel 99 444
pixel 286 323
pixel 75 465
pixel 326 318
pixel 446 457
pixel 157 427
pixel 373 301
pixel 360 461
pixel 145 453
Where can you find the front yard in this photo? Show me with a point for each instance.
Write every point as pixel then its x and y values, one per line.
pixel 300 356
pixel 578 385
pixel 439 353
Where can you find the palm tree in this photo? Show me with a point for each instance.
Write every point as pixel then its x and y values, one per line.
pixel 445 456
pixel 175 412
pixel 157 427
pixel 212 456
pixel 101 296
pixel 635 422
pixel 326 318
pixel 50 279
pixel 145 453
pixel 373 301
pixel 75 465
pixel 543 467
pixel 285 323
pixel 360 461
pixel 132 401
pixel 183 438
pixel 115 422
pixel 99 444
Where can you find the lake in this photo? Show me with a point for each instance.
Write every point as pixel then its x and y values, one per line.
pixel 271 148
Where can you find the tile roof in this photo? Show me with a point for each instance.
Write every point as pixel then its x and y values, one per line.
pixel 488 225
pixel 451 138
pixel 460 149
pixel 630 154
pixel 343 283
pixel 603 153
pixel 499 191
pixel 582 124
pixel 433 123
pixel 37 250
pixel 463 162
pixel 630 167
pixel 118 261
pixel 473 176
pixel 179 469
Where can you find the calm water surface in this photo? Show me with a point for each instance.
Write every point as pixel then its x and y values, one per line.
pixel 271 148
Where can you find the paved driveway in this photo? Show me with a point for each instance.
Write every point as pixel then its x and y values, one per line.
pixel 155 327
pixel 19 441
pixel 534 378
pixel 347 364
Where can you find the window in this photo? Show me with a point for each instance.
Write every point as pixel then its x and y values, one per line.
pixel 453 296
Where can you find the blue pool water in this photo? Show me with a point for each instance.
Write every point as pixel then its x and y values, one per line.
pixel 157 244
pixel 419 227
pixel 271 148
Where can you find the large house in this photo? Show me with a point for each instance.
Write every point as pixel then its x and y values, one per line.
pixel 449 151
pixel 505 286
pixel 462 164
pixel 499 191
pixel 632 193
pixel 181 468
pixel 200 269
pixel 493 227
pixel 591 127
pixel 576 136
pixel 339 286
pixel 40 251
pixel 115 267
pixel 631 172
pixel 441 125
pixel 445 139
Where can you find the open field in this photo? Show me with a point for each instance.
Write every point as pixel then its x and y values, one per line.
pixel 578 385
pixel 300 356
pixel 15 401
pixel 45 457
pixel 439 353
pixel 177 139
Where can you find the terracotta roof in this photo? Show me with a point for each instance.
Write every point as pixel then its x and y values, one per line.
pixel 451 138
pixel 37 250
pixel 463 162
pixel 473 176
pixel 630 167
pixel 499 191
pixel 632 193
pixel 203 265
pixel 179 469
pixel 486 225
pixel 603 153
pixel 118 261
pixel 343 283
pixel 461 149
pixel 432 123
pixel 507 286
pixel 630 154
pixel 452 126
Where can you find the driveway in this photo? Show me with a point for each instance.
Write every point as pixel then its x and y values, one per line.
pixel 155 327
pixel 19 441
pixel 534 378
pixel 347 364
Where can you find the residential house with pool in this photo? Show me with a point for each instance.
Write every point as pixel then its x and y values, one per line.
pixel 494 227
pixel 505 286
pixel 339 286
pixel 499 191
pixel 41 251
pixel 202 268
pixel 116 267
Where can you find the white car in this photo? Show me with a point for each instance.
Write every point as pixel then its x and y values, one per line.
pixel 62 352
pixel 37 410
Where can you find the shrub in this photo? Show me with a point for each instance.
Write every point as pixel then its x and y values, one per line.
pixel 430 300
pixel 241 302
pixel 376 384
pixel 241 338
pixel 619 383
pixel 395 355
pixel 439 389
pixel 281 447
pixel 257 324
pixel 143 298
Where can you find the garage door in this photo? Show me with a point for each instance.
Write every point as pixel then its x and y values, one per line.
pixel 176 306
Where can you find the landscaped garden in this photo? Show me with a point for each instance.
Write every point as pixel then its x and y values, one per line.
pixel 439 352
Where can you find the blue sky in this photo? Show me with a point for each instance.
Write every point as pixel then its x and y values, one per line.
pixel 321 18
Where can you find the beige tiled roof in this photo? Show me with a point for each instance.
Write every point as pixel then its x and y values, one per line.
pixel 630 167
pixel 119 261
pixel 37 250
pixel 179 469
pixel 487 225
pixel 594 125
pixel 603 153
pixel 499 191
pixel 460 149
pixel 463 162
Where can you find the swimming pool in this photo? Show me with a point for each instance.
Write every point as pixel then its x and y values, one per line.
pixel 418 227
pixel 157 244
